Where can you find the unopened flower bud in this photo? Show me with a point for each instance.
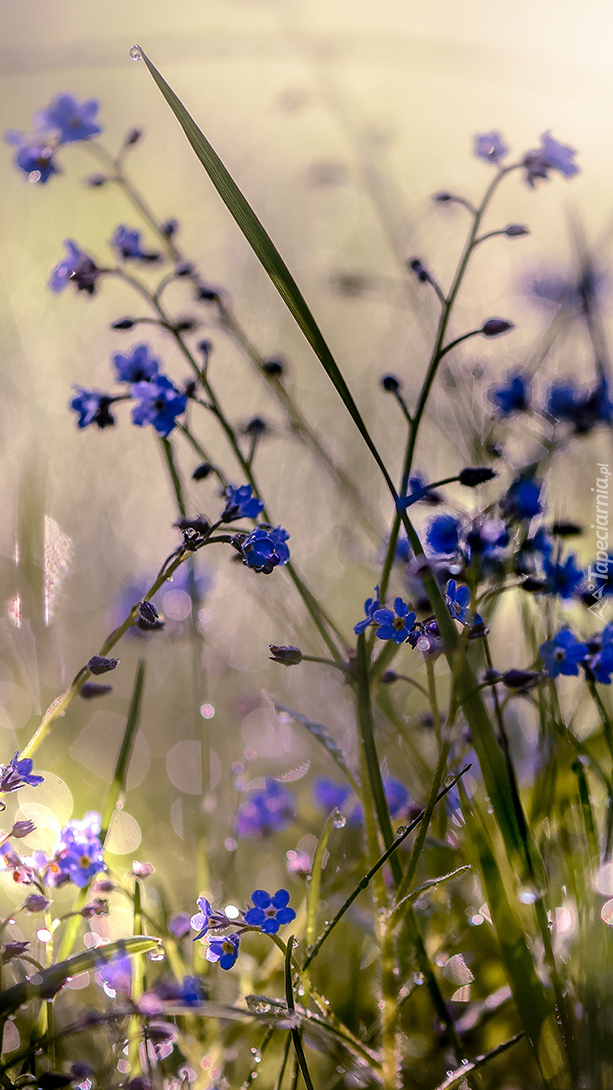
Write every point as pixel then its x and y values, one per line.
pixel 142 870
pixel 90 690
pixel 441 197
pixel 255 427
pixel 169 228
pixel 389 676
pixel 148 616
pixel 566 529
pixel 391 384
pixel 98 664
pixel 96 180
pixel 273 367
pixel 133 137
pixel 516 230
pixel 202 471
pixel 123 323
pixel 185 268
pixel 474 475
pixel 288 656
pixel 35 902
pixel 419 269
pixel 22 828
pixel 521 679
pixel 495 326
pixel 97 907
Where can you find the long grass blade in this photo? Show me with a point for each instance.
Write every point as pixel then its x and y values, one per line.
pixel 533 1003
pixel 315 883
pixel 118 785
pixel 45 984
pixel 267 253
pixel 367 732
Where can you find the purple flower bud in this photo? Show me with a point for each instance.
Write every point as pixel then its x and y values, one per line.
pixel 97 907
pixel 495 326
pixel 288 656
pixel 22 828
pixel 391 384
pixel 148 616
pixel 123 323
pixel 35 902
pixel 90 690
pixel 100 665
pixel 521 679
pixel 13 950
pixel 419 269
pixel 474 475
pixel 202 471
pixel 142 870
pixel 133 137
pixel 516 230
pixel 274 367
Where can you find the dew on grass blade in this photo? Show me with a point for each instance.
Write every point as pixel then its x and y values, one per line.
pixel 338 820
pixel 135 53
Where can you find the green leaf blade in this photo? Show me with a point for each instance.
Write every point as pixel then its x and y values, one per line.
pixel 267 253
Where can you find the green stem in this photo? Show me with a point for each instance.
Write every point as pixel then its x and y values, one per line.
pixel 437 352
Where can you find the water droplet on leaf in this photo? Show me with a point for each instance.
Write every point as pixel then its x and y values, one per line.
pixel 338 820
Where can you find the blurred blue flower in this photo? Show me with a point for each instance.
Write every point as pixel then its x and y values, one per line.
pixel 192 991
pixel 128 245
pixel 269 912
pixel 458 601
pixel 522 500
pixel 562 654
pixel 563 399
pixel 93 407
pixel 329 794
pixel 240 504
pixel 394 624
pixel 264 548
pixel 584 409
pixel 140 365
pixel 514 397
pixel 79 852
pixel 552 155
pixel 491 147
pixel 18 773
pixel 115 976
pixel 159 404
pixel 564 579
pixel 33 156
pixel 601 664
pixel 397 797
pixel 371 605
pixel 224 950
pixel 207 919
pixel 77 268
pixel 443 535
pixel 73 120
pixel 552 288
pixel 487 539
pixel 265 811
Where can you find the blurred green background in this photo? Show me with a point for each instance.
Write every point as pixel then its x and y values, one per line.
pixel 338 121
